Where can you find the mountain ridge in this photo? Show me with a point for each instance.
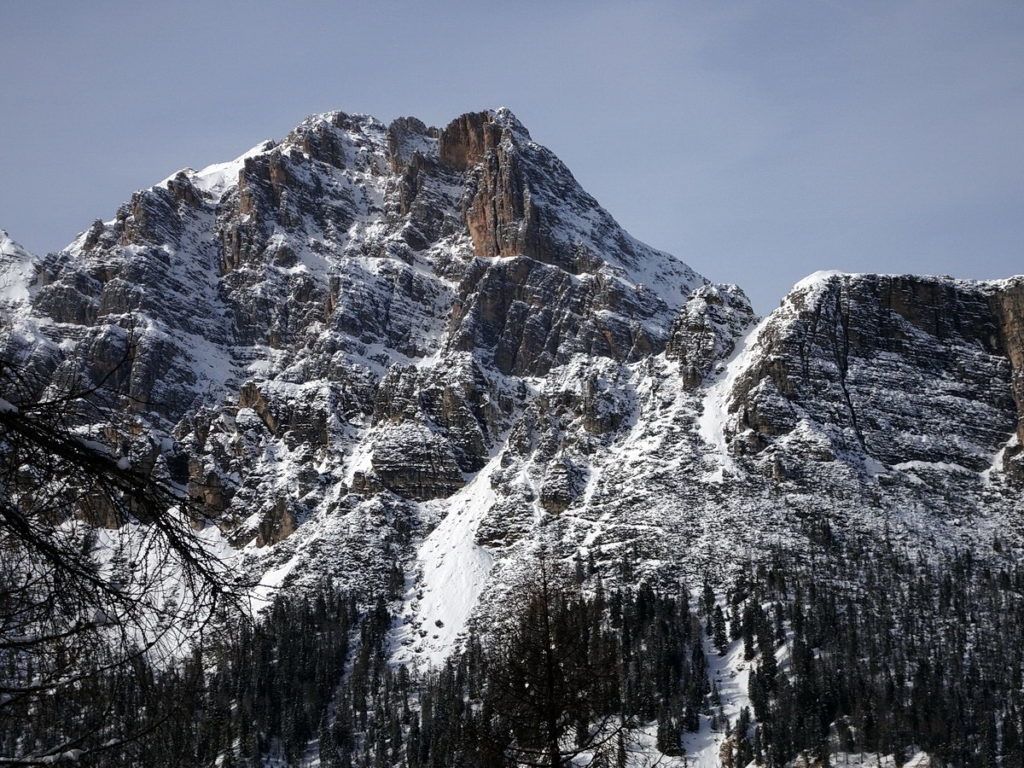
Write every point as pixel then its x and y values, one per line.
pixel 365 335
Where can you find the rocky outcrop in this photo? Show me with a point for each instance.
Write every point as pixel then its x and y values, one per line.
pixel 555 277
pixel 1008 307
pixel 466 139
pixel 705 332
pixel 562 484
pixel 207 489
pixel 459 401
pixel 251 397
pixel 899 368
pixel 408 138
pixel 500 215
pixel 278 524
pixel 530 316
pixel 414 462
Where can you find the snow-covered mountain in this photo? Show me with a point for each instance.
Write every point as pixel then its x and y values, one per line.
pixel 384 352
pixel 15 273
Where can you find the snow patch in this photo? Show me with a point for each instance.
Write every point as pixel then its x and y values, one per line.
pixel 263 594
pixel 997 460
pixel 940 466
pixel 218 178
pixel 730 674
pixel 816 279
pixel 715 412
pixel 869 760
pixel 16 271
pixel 452 571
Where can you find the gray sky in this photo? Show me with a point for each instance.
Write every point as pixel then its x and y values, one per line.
pixel 759 141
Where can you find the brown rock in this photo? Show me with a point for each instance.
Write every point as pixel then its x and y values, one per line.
pixel 1008 307
pixel 278 524
pixel 466 139
pixel 249 396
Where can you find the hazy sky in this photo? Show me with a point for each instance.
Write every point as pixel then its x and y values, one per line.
pixel 759 141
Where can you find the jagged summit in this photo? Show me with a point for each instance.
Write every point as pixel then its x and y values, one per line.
pixel 569 237
pixel 16 271
pixel 345 195
pixel 10 248
pixel 373 349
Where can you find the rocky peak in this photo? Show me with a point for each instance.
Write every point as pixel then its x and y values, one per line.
pixel 898 369
pixel 17 272
pixel 408 137
pixel 359 331
pixel 705 332
pixel 466 140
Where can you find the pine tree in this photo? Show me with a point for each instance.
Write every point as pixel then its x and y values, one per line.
pixel 720 640
pixel 545 681
pixel 667 733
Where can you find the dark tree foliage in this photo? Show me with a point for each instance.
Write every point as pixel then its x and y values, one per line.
pixel 553 681
pixel 573 673
pixel 101 571
pixel 313 679
pixel 886 651
pixel 254 691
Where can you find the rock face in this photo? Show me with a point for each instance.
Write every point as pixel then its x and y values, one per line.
pixel 415 463
pixel 900 369
pixel 1008 307
pixel 706 330
pixel 342 338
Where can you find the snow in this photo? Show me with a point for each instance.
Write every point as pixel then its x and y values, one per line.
pixel 715 412
pixel 175 612
pixel 361 460
pixel 731 674
pixel 866 760
pixel 217 178
pixel 16 271
pixel 69 756
pixel 211 360
pixel 940 466
pixel 816 279
pixel 263 594
pixel 997 460
pixel 452 571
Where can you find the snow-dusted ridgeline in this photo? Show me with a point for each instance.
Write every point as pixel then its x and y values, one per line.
pixel 338 332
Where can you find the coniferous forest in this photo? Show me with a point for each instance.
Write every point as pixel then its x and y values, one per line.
pixel 908 654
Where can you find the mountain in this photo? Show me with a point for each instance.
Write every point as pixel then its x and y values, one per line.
pixel 366 347
pixel 15 272
pixel 419 364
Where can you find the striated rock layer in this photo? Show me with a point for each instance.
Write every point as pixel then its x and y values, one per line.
pixel 341 340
